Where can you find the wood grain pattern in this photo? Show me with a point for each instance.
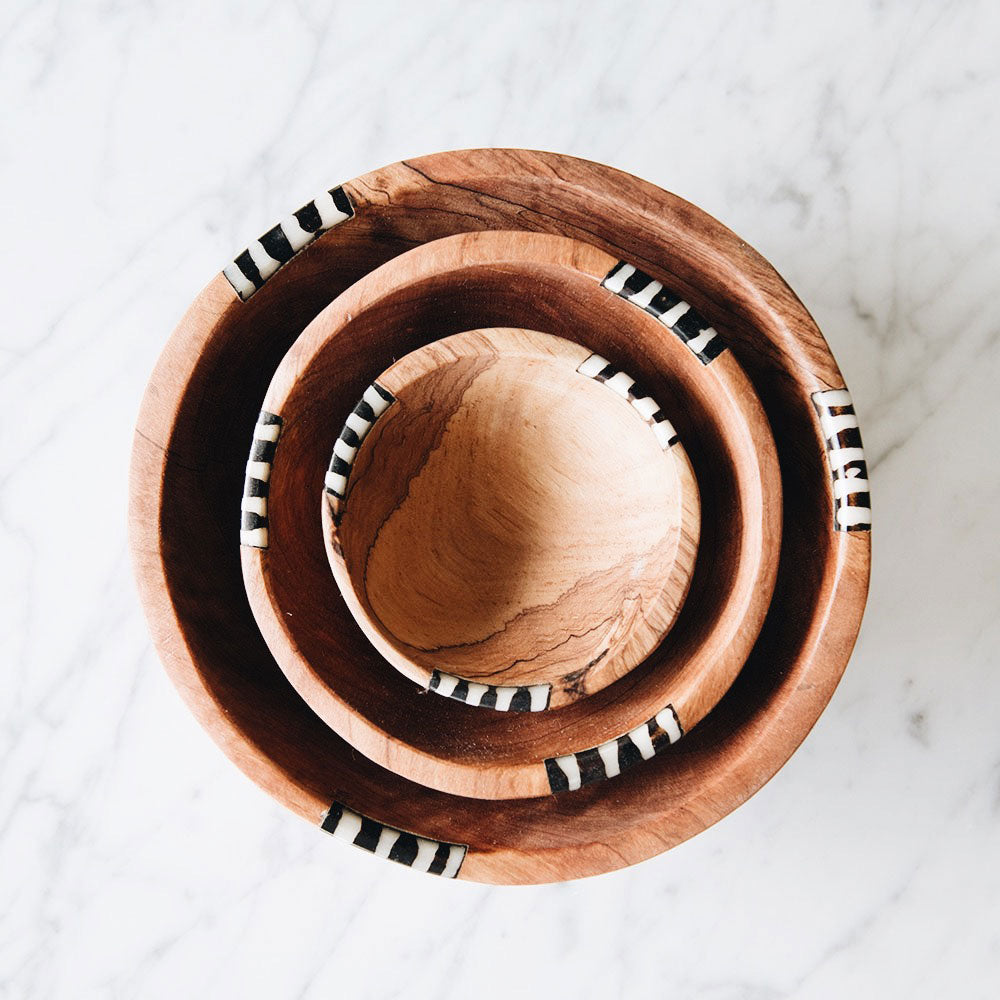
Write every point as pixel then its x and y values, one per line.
pixel 481 531
pixel 533 280
pixel 188 464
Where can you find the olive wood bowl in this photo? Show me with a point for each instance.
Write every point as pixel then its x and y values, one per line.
pixel 474 511
pixel 189 462
pixel 533 280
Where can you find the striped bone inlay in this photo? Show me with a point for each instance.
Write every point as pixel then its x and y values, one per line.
pixel 432 856
pixel 670 309
pixel 574 770
pixel 601 370
pixel 373 404
pixel 504 698
pixel 852 505
pixel 253 507
pixel 248 272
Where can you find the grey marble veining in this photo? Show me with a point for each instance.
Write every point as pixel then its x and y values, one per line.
pixel 856 145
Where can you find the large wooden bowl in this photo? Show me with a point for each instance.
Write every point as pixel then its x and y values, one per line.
pixel 189 464
pixel 542 281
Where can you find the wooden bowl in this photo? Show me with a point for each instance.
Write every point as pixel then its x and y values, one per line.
pixel 473 519
pixel 533 280
pixel 189 461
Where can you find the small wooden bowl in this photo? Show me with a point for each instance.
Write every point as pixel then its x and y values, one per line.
pixel 473 519
pixel 531 280
pixel 189 461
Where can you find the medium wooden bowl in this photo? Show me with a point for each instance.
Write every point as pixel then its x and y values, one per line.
pixel 473 516
pixel 530 279
pixel 189 462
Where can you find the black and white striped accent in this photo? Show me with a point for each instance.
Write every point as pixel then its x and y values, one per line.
pixel 253 518
pixel 432 856
pixel 574 770
pixel 373 404
pixel 281 243
pixel 600 370
pixel 503 698
pixel 852 504
pixel 670 309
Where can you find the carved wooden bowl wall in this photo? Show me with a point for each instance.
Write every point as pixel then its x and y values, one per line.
pixel 619 691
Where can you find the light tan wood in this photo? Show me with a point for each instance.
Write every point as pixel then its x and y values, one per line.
pixel 526 277
pixel 481 533
pixel 188 463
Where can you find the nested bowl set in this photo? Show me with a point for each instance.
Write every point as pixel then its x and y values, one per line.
pixel 502 514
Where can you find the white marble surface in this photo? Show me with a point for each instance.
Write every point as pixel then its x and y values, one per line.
pixel 856 145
